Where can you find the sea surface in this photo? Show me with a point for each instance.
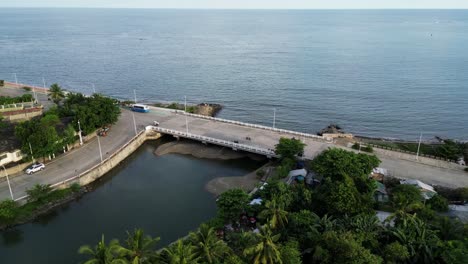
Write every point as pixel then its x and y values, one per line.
pixel 164 195
pixel 393 73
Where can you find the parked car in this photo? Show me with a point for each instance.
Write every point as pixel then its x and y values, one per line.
pixel 35 168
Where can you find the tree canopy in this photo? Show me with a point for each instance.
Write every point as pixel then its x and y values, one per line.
pixel 289 148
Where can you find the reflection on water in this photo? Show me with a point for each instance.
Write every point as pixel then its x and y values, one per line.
pixel 163 195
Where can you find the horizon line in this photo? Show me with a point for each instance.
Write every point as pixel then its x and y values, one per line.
pixel 237 8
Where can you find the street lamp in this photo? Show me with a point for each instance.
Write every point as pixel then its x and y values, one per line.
pixel 16 79
pixel 100 150
pixel 274 117
pixel 8 180
pixel 79 133
pixel 419 146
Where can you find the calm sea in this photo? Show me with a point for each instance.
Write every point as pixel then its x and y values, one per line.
pixel 377 73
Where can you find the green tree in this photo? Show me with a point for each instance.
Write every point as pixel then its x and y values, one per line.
pixel 39 192
pixel 102 253
pixel 207 246
pixel 303 226
pixel 290 253
pixel 179 253
pixel 8 212
pixel 406 197
pixel 420 241
pixel 395 253
pixel 337 247
pixel 289 148
pixel 275 214
pixel 232 203
pixel 265 251
pixel 454 251
pixel 56 93
pixel 138 248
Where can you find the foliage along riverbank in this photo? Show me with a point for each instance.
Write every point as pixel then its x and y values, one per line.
pixel 42 199
pixel 333 222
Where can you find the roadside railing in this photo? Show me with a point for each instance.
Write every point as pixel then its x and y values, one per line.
pixel 225 143
pixel 300 134
pixel 412 153
pixel 92 168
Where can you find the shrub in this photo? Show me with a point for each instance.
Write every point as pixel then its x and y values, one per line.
pixel 260 173
pixel 75 187
pixel 27 89
pixel 39 192
pixel 362 147
pixel 438 203
pixel 8 211
pixel 2 83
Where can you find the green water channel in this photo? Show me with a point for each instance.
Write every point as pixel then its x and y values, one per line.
pixel 164 195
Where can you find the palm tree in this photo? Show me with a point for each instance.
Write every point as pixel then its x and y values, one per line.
pixel 207 246
pixel 265 251
pixel 56 93
pixel 420 241
pixel 138 247
pixel 326 223
pixel 102 253
pixel 275 213
pixel 179 253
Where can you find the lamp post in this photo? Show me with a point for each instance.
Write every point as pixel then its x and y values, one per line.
pixel 16 79
pixel 99 144
pixel 419 146
pixel 185 104
pixel 94 88
pixel 30 149
pixel 8 180
pixel 274 117
pixel 79 133
pixel 134 95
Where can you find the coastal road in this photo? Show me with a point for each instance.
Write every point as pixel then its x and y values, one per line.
pixel 83 158
pixel 267 139
pixel 73 162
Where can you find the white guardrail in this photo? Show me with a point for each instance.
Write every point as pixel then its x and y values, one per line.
pixel 225 143
pixel 300 134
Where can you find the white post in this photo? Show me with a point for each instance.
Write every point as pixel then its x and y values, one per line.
pixel 43 83
pixel 99 143
pixel 359 147
pixel 79 133
pixel 274 117
pixel 8 180
pixel 419 146
pixel 185 103
pixel 186 124
pixel 30 149
pixel 134 95
pixel 134 123
pixel 16 80
pixel 94 88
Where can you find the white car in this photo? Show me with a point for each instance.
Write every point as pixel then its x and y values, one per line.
pixel 35 168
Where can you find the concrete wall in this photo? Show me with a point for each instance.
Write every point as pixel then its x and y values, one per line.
pixel 13 156
pixel 423 160
pixel 22 116
pixel 108 164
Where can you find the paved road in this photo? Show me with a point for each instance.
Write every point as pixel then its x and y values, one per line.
pixel 87 156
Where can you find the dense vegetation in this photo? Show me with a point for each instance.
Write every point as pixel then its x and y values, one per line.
pixel 447 149
pixel 40 196
pixel 332 223
pixel 5 100
pixel 56 129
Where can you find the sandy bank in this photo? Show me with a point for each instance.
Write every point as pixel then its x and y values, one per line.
pixel 203 151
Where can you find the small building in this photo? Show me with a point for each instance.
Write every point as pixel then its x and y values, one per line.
pixel 9 146
pixel 380 194
pixel 297 175
pixel 378 174
pixel 427 191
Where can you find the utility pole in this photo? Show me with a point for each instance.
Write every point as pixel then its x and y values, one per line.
pixel 274 117
pixel 186 124
pixel 419 146
pixel 94 88
pixel 185 104
pixel 30 149
pixel 134 95
pixel 99 143
pixel 134 123
pixel 8 180
pixel 16 80
pixel 79 133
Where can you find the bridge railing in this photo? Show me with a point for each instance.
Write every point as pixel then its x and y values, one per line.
pixel 300 134
pixel 225 143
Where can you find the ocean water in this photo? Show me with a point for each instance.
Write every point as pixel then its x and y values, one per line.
pixel 393 73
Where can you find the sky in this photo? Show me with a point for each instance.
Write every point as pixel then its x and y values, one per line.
pixel 243 4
